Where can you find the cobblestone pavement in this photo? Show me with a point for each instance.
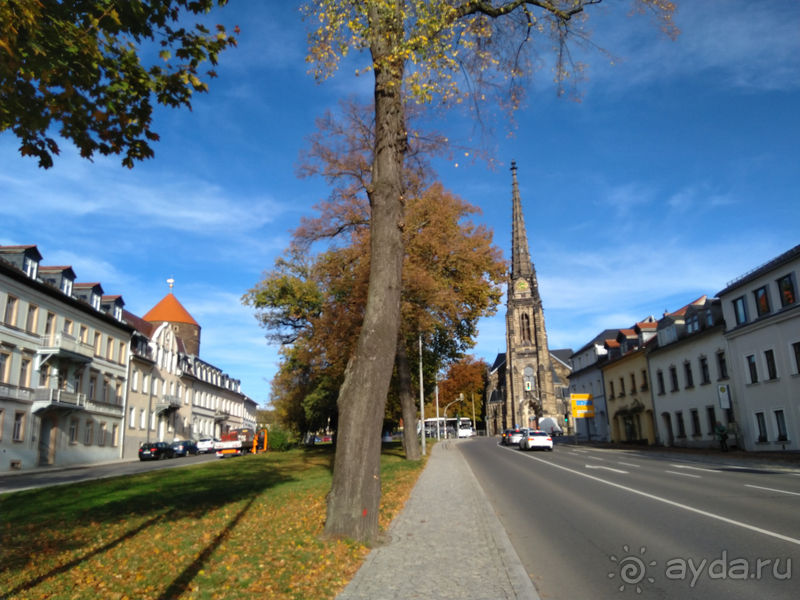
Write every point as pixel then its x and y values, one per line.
pixel 447 543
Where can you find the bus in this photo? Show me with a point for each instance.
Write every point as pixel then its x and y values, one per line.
pixel 450 427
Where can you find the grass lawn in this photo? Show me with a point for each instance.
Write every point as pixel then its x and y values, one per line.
pixel 236 528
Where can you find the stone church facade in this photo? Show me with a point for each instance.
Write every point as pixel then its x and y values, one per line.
pixel 525 383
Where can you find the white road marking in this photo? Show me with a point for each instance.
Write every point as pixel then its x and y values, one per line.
pixel 593 458
pixel 772 490
pixel 684 474
pixel 670 502
pixel 581 451
pixel 606 468
pixel 694 468
pixel 630 465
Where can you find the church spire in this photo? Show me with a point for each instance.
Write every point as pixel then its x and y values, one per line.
pixel 520 253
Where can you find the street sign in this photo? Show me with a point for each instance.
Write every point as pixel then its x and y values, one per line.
pixel 582 406
pixel 724 393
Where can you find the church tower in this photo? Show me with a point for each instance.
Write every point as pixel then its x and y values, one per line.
pixel 530 393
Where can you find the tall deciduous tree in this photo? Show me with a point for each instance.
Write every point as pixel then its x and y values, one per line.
pixel 425 49
pixel 77 65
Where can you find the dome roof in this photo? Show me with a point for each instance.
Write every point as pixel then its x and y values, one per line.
pixel 170 310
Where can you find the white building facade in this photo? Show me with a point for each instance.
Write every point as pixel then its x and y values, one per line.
pixel 762 315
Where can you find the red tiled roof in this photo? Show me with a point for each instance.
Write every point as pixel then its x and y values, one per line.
pixel 170 310
pixel 18 247
pixel 114 297
pixel 647 325
pixel 612 343
pixel 682 311
pixel 87 285
pixel 138 323
pixel 60 268
pixel 628 332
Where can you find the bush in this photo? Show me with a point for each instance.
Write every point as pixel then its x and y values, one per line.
pixel 279 439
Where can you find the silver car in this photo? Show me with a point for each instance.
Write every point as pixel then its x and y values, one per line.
pixel 206 445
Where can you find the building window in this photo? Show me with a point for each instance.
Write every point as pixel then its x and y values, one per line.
pixel 135 380
pixel 621 387
pixel 761 423
pixel 5 366
pixel 673 375
pixel 752 368
pixel 660 380
pixel 740 310
pixel 786 291
pixel 102 434
pixel 33 318
pixel 66 286
pixel 67 326
pixel 121 356
pixel 98 340
pixel 611 389
pixel 114 435
pixel 44 376
pixel 796 349
pixel 633 383
pixel 31 267
pixel 711 413
pixel 644 380
pixel 687 369
pixel 722 365
pixel 25 373
pixel 50 327
pixel 73 431
pixel 526 327
pixel 19 427
pixel 92 387
pixel 693 324
pixel 87 433
pixel 11 311
pixel 681 426
pixel 142 419
pixel 110 348
pixel 769 358
pixel 780 423
pixel 84 334
pixel 762 301
pixel 704 370
pixel 696 423
pixel 132 418
pixel 709 317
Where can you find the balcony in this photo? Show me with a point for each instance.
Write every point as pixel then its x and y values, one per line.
pixel 168 402
pixel 104 407
pixel 221 415
pixel 44 398
pixel 15 393
pixel 66 345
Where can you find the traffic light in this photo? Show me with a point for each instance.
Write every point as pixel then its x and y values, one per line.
pixel 566 419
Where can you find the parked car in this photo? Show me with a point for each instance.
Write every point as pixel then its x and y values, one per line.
pixel 184 447
pixel 206 445
pixel 536 440
pixel 156 451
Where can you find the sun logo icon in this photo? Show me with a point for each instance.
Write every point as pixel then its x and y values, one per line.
pixel 632 570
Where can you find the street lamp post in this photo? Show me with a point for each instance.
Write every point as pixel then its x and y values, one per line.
pixel 421 400
pixel 438 436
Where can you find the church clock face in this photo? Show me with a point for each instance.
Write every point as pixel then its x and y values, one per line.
pixel 521 285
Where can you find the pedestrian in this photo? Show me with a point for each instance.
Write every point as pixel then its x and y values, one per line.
pixel 722 436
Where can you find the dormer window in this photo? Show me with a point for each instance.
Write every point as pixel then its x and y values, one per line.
pixel 31 267
pixel 693 324
pixel 709 318
pixel 66 286
pixel 118 313
pixel 96 301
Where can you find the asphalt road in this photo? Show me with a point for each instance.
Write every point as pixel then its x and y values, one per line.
pixel 44 478
pixel 586 522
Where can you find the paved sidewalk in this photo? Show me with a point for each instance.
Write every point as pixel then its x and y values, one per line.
pixel 447 543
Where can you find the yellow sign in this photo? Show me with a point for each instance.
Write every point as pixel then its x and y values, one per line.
pixel 582 406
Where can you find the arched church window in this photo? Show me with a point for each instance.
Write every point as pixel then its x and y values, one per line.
pixel 526 327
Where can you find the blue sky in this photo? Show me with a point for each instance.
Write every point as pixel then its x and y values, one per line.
pixel 677 172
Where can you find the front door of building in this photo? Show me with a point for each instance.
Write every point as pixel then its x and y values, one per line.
pixel 48 435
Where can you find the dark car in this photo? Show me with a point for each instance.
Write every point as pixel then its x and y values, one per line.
pixel 184 447
pixel 156 451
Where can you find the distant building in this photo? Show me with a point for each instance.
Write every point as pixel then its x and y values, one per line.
pixel 630 403
pixel 688 367
pixel 587 378
pixel 64 352
pixel 522 382
pixel 762 316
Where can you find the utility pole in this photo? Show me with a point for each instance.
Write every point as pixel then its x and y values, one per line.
pixel 474 425
pixel 438 435
pixel 421 400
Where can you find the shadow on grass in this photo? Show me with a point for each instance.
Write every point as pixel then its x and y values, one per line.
pixel 186 577
pixel 74 563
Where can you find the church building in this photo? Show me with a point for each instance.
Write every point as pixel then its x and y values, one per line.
pixel 528 382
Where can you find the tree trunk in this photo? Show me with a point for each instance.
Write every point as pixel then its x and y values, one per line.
pixel 411 443
pixel 354 499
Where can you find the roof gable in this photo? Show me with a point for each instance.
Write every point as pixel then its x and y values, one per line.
pixel 170 310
